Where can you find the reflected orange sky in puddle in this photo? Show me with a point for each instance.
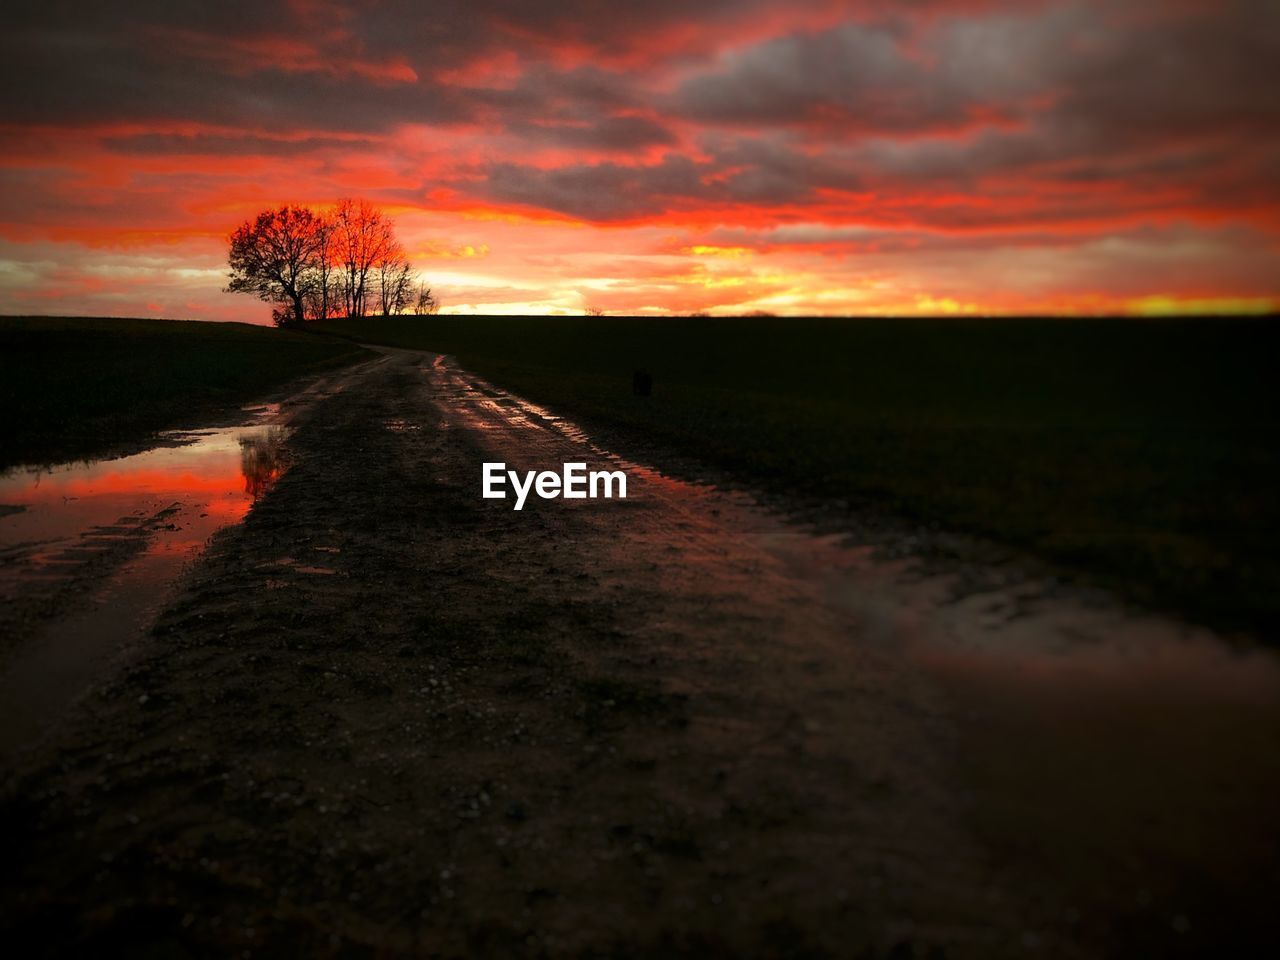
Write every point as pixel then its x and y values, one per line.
pixel 104 541
pixel 262 459
pixel 210 478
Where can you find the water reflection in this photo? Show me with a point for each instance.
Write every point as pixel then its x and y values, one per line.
pixel 89 550
pixel 212 477
pixel 263 457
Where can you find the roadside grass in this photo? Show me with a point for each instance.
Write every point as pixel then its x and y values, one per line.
pixel 1140 454
pixel 73 387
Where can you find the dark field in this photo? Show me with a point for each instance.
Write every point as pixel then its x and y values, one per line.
pixel 73 387
pixel 1140 454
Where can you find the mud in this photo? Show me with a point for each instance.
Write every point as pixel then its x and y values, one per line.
pixel 90 550
pixel 383 716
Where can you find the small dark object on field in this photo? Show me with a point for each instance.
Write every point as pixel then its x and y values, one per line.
pixel 642 383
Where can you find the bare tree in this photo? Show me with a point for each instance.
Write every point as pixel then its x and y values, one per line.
pixel 322 293
pixel 274 256
pixel 335 297
pixel 395 280
pixel 314 265
pixel 402 288
pixel 425 302
pixel 324 286
pixel 595 311
pixel 364 237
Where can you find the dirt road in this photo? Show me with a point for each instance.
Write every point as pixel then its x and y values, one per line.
pixel 384 716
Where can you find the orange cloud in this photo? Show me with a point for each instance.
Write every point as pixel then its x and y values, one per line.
pixel 962 156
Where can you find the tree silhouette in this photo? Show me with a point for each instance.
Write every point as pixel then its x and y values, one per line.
pixel 425 302
pixel 273 256
pixel 309 264
pixel 364 238
pixel 395 280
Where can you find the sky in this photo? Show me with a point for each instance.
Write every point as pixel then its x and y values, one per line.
pixel 727 156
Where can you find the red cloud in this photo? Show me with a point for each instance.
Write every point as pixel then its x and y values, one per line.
pixel 877 156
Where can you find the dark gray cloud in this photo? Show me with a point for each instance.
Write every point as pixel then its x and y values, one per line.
pixel 613 134
pixel 1053 112
pixel 238 62
pixel 874 78
pixel 1117 70
pixel 600 191
pixel 205 144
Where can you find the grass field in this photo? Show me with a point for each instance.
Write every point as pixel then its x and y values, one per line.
pixel 1141 454
pixel 73 387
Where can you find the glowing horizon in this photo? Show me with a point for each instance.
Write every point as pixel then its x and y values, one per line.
pixel 959 157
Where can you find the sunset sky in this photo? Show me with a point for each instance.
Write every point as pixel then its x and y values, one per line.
pixel 869 156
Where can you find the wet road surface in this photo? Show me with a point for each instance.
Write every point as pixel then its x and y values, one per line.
pixel 383 715
pixel 90 550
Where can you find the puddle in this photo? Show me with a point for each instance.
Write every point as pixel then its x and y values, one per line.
pixel 90 550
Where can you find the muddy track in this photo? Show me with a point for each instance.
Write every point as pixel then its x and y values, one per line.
pixel 385 716
pixel 48 584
